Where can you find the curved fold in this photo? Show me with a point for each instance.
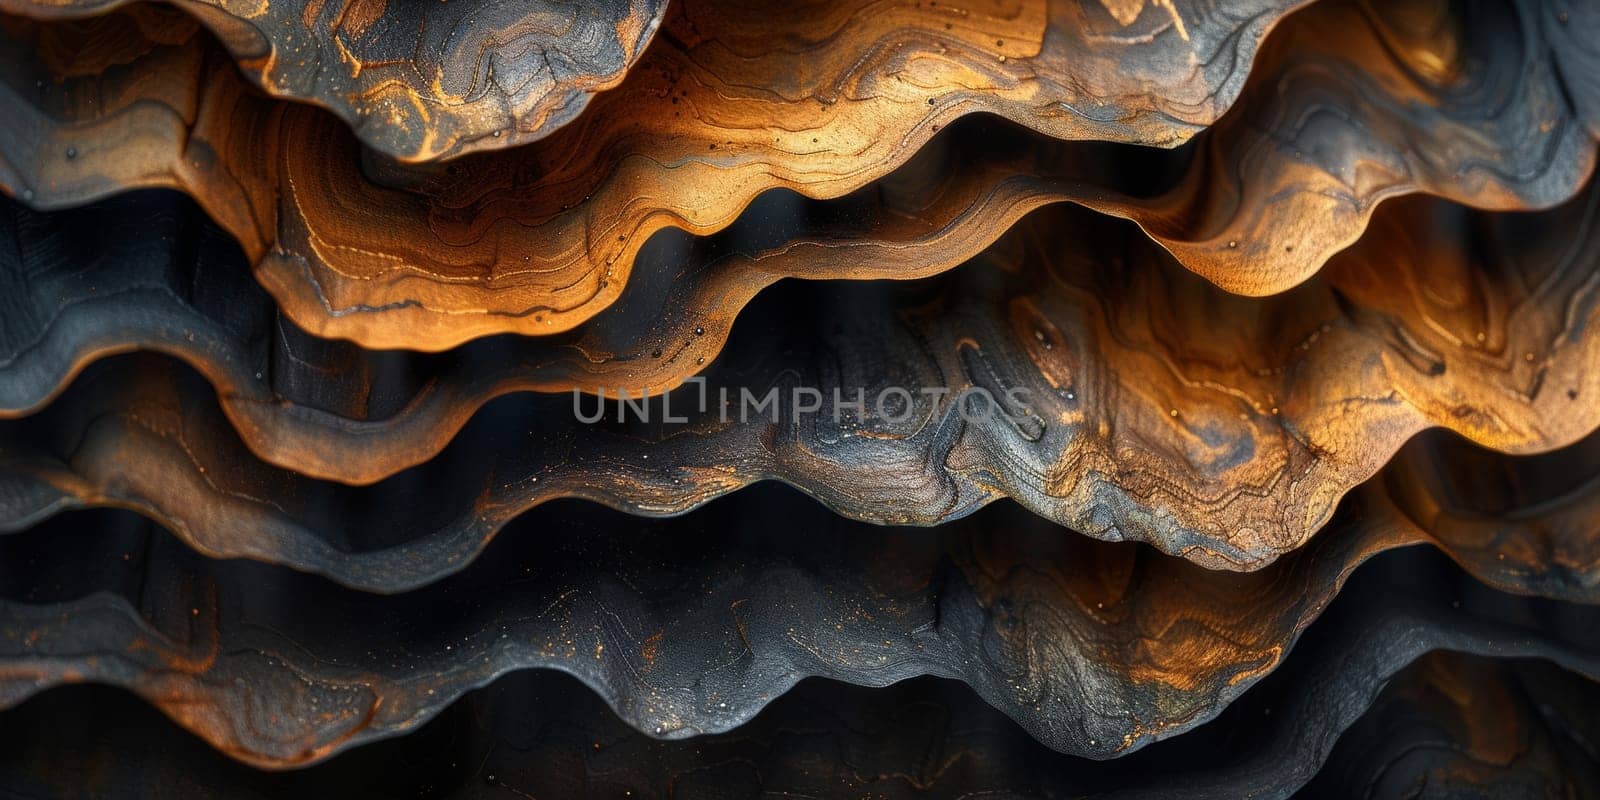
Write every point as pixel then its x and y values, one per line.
pixel 416 81
pixel 539 240
pixel 1129 399
pixel 538 734
pixel 692 625
pixel 253 675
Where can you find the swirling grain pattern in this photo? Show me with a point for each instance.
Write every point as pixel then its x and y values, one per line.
pixel 421 82
pixel 691 626
pixel 536 240
pixel 1135 401
pixel 1178 398
pixel 537 248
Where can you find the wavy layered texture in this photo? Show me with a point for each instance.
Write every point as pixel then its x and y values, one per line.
pixel 539 734
pixel 540 240
pixel 692 625
pixel 311 438
pixel 1130 399
pixel 417 81
pixel 531 242
pixel 1270 741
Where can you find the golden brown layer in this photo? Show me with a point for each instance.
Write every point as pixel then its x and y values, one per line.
pixel 538 239
pixel 1133 400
